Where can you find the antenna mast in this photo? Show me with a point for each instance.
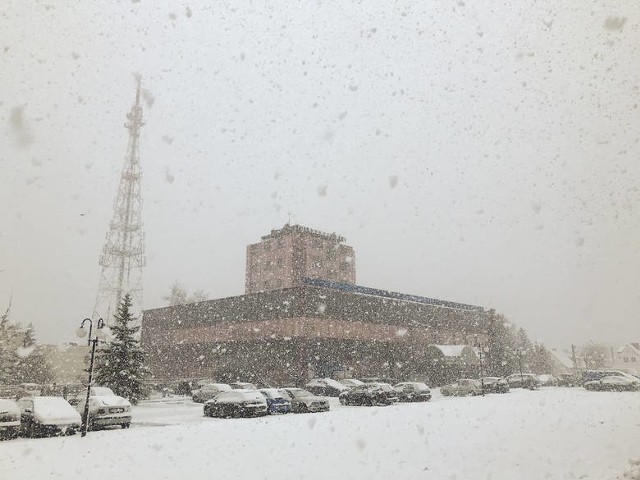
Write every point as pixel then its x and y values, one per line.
pixel 122 257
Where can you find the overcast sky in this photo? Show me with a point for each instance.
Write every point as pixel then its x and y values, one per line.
pixel 474 151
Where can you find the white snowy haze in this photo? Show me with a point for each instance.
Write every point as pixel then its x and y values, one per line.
pixel 481 152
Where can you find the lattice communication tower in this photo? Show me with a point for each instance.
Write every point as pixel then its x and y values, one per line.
pixel 122 258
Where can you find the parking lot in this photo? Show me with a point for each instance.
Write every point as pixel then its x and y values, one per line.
pixel 552 433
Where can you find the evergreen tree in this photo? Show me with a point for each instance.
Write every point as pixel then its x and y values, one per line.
pixel 32 365
pixel 500 345
pixel 9 342
pixel 121 364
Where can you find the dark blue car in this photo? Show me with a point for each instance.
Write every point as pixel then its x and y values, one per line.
pixel 276 401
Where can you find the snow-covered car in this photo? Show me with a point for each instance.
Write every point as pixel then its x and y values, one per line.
pixel 568 380
pixel 303 401
pixel 209 391
pixel 326 387
pixel 9 419
pixel 365 395
pixel 523 380
pixel 106 408
pixel 387 389
pixel 495 385
pixel 29 390
pixel 243 386
pixel 462 388
pixel 547 380
pixel 413 392
pixel 277 400
pixel 236 403
pixel 351 382
pixel 616 383
pixel 46 416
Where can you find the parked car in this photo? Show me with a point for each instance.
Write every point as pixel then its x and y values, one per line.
pixel 495 385
pixel 568 380
pixel 368 394
pixel 29 390
pixel 277 400
pixel 236 403
pixel 413 392
pixel 547 380
pixel 589 375
pixel 106 408
pixel 461 388
pixel 9 419
pixel 47 415
pixel 326 387
pixel 351 382
pixel 616 383
pixel 209 391
pixel 388 390
pixel 303 401
pixel 243 386
pixel 525 380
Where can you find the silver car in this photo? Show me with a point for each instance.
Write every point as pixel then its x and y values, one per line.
pixel 462 388
pixel 303 401
pixel 106 409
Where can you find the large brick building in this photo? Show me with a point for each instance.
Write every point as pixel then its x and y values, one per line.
pixel 286 256
pixel 313 326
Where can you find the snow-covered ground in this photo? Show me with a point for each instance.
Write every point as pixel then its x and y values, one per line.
pixel 552 433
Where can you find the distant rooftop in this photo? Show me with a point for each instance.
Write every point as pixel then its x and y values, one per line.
pixel 347 287
pixel 287 229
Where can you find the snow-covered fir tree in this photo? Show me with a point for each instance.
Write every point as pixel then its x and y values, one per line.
pixel 120 365
pixel 32 365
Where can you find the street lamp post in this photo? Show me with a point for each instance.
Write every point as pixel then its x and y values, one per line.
pixel 481 349
pixel 92 341
pixel 520 353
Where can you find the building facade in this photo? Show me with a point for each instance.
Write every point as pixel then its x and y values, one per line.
pixel 303 316
pixel 286 256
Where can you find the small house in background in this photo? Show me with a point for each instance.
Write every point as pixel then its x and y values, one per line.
pixel 627 357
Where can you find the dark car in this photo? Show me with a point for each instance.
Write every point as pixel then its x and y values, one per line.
pixel 413 392
pixel 388 390
pixel 367 395
pixel 303 401
pixel 523 380
pixel 495 385
pixel 236 403
pixel 326 387
pixel 614 383
pixel 9 419
pixel 47 416
pixel 568 380
pixel 277 400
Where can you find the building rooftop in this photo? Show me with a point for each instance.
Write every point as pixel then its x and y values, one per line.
pixel 287 229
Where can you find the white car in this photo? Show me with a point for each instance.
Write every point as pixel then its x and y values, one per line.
pixel 9 419
pixel 47 415
pixel 106 408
